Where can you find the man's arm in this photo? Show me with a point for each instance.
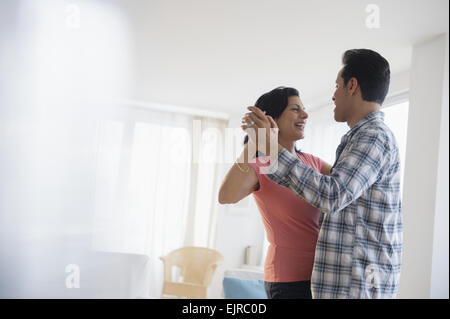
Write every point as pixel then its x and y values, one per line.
pixel 356 170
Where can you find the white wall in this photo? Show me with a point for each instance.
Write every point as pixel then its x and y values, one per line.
pixel 48 69
pixel 425 207
pixel 440 265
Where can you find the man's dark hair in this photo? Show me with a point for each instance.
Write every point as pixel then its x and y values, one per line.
pixel 371 70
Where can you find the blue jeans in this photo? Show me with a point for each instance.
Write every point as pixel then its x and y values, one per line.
pixel 288 290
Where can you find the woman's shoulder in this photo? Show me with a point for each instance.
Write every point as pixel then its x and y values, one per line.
pixel 310 160
pixel 307 156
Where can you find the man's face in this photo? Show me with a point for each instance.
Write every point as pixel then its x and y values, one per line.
pixel 341 100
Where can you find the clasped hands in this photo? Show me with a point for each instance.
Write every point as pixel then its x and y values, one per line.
pixel 262 130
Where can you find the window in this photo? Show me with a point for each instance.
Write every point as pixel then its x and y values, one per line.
pixel 141 191
pixel 151 196
pixel 396 117
pixel 141 186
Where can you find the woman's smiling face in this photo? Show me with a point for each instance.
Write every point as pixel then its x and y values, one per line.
pixel 292 121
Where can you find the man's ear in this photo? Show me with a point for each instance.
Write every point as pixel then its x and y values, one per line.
pixel 352 85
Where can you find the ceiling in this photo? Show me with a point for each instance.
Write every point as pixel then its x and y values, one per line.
pixel 222 55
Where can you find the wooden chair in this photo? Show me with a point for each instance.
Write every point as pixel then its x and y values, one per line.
pixel 197 265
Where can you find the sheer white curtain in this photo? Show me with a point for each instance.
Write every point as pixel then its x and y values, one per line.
pixel 142 182
pixel 151 197
pixel 206 170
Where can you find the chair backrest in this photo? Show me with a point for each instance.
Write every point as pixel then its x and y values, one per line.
pixel 197 264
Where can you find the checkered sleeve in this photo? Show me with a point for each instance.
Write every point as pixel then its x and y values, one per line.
pixel 355 171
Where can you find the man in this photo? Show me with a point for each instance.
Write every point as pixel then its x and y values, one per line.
pixel 358 253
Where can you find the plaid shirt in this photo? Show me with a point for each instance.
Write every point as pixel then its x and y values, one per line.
pixel 359 249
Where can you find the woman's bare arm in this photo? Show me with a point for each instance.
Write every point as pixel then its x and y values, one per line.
pixel 239 184
pixel 326 168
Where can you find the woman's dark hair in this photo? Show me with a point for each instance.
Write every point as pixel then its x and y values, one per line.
pixel 275 102
pixel 371 70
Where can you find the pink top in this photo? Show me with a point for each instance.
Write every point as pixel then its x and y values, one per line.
pixel 292 226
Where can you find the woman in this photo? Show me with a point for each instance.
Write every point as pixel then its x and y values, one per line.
pixel 292 225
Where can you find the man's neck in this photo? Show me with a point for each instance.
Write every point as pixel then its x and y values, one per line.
pixel 365 108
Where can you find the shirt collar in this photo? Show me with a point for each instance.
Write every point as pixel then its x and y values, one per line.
pixel 376 115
